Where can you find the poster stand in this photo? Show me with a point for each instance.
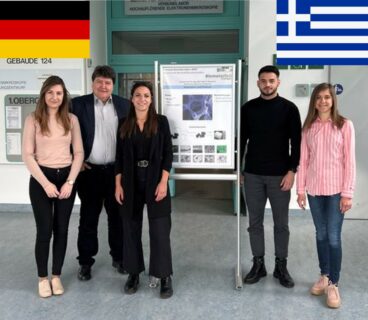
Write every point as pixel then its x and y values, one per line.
pixel 227 163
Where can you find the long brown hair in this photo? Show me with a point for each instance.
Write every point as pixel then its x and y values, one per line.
pixel 337 119
pixel 62 116
pixel 150 127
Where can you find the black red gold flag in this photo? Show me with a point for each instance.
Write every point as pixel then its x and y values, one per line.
pixel 52 29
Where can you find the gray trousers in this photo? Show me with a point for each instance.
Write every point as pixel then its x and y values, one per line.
pixel 257 189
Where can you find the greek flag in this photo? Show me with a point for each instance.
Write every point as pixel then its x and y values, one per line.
pixel 322 32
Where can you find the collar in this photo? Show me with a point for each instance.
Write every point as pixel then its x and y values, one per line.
pixel 97 101
pixel 318 119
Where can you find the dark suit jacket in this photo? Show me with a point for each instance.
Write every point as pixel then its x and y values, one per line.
pixel 83 108
pixel 160 158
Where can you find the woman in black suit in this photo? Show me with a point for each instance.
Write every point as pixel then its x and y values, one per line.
pixel 143 163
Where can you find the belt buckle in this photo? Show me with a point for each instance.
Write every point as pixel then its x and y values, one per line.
pixel 142 163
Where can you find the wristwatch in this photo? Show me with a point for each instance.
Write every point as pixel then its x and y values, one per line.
pixel 71 182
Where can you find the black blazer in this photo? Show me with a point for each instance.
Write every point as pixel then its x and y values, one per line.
pixel 160 158
pixel 83 108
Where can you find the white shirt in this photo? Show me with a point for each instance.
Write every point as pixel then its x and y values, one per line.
pixel 106 126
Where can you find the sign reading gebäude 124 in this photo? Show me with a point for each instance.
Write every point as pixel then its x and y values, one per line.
pixel 156 7
pixel 199 101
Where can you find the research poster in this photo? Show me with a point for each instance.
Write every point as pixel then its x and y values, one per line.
pixel 199 101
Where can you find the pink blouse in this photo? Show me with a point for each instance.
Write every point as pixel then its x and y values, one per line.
pixel 327 160
pixel 52 150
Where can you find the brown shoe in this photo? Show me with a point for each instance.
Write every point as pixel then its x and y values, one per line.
pixel 320 286
pixel 44 289
pixel 333 296
pixel 57 287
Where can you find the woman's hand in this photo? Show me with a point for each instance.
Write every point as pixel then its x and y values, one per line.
pixel 119 194
pixel 302 201
pixel 345 204
pixel 66 191
pixel 51 191
pixel 161 191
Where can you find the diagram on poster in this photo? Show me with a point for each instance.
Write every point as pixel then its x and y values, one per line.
pixel 199 101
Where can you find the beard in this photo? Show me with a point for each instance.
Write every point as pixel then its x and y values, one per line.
pixel 268 93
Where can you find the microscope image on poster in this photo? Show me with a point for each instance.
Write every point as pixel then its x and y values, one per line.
pixel 197 107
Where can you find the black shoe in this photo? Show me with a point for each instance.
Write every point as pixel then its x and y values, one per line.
pixel 257 272
pixel 118 265
pixel 282 273
pixel 166 290
pixel 131 286
pixel 84 273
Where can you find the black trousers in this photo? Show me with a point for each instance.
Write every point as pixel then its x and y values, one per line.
pixel 257 190
pixel 52 217
pixel 160 261
pixel 96 189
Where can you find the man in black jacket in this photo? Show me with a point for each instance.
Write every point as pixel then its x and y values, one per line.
pixel 99 114
pixel 271 133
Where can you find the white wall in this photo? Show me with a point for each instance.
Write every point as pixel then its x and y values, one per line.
pixel 14 178
pixel 98 39
pixel 262 46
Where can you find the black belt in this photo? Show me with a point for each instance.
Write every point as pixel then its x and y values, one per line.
pixel 142 163
pixel 101 166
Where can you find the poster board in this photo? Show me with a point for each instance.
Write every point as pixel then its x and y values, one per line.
pixel 199 102
pixel 20 84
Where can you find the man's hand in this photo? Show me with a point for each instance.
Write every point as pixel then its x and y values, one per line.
pixel 287 181
pixel 85 166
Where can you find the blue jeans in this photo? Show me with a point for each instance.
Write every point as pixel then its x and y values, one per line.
pixel 328 220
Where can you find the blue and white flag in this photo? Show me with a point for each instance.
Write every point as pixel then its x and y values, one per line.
pixel 322 32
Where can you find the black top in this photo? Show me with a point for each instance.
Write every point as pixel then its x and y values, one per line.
pixel 271 133
pixel 141 144
pixel 141 150
pixel 159 158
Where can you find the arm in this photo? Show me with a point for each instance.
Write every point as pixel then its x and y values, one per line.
pixel 167 156
pixel 301 176
pixel 119 192
pixel 78 157
pixel 295 137
pixel 243 132
pixel 161 189
pixel 349 166
pixel 28 156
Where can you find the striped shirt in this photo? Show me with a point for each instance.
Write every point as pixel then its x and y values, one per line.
pixel 327 160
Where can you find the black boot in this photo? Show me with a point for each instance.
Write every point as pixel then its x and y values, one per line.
pixel 257 272
pixel 282 273
pixel 166 290
pixel 131 286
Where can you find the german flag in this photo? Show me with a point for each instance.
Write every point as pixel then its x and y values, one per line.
pixel 50 29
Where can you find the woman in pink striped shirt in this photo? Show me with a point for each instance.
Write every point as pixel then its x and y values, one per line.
pixel 327 174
